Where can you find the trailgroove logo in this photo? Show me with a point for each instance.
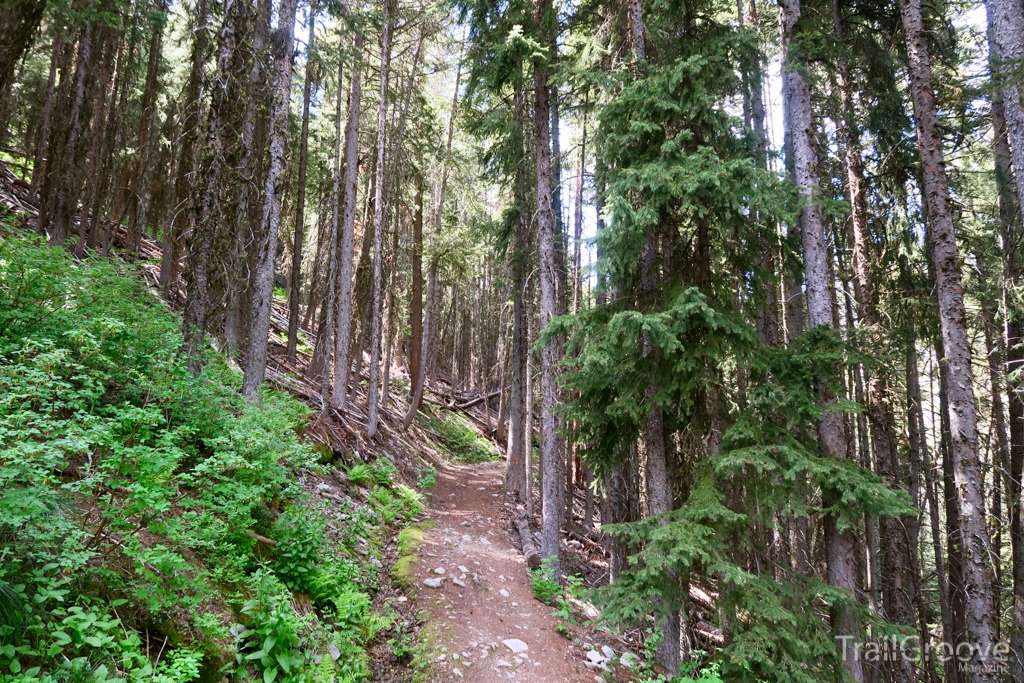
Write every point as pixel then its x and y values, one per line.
pixel 970 657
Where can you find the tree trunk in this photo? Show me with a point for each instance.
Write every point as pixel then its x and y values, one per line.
pixel 18 23
pixel 956 343
pixel 295 277
pixel 416 291
pixel 898 583
pixel 1004 33
pixel 577 223
pixel 334 254
pixel 207 210
pixel 436 214
pixel 343 333
pixel 517 473
pixel 378 230
pixel 1006 44
pixel 840 544
pixel 551 480
pixel 143 163
pixel 183 210
pixel 58 206
pixel 919 449
pixel 99 117
pixel 263 287
pixel 40 162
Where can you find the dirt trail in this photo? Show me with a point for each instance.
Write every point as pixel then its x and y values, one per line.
pixel 472 544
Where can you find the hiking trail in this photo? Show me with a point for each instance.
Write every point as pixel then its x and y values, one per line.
pixel 483 623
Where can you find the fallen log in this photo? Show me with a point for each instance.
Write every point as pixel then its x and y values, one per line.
pixel 261 539
pixel 478 399
pixel 529 549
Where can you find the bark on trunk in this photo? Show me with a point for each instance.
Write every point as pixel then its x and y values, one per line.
pixel 188 162
pixel 295 277
pixel 333 256
pixel 898 583
pixel 517 474
pixel 577 224
pixel 378 229
pixel 840 544
pixel 1004 33
pixel 207 210
pixel 62 186
pixel 143 163
pixel 978 577
pixel 1006 23
pixel 551 479
pixel 39 162
pixel 416 292
pixel 263 286
pixel 343 334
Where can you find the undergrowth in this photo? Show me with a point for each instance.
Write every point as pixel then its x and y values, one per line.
pixel 152 527
pixel 460 439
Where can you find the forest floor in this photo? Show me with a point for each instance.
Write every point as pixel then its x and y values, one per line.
pixel 482 622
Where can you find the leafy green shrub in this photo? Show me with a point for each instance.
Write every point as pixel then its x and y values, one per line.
pixel 270 644
pixel 544 587
pixel 299 537
pixel 381 472
pixel 180 666
pixel 427 478
pixel 132 492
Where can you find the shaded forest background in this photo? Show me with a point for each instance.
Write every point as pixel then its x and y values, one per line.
pixel 785 391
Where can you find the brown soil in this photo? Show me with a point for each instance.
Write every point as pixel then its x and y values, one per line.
pixel 468 624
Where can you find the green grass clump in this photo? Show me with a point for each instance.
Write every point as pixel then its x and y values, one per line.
pixel 461 440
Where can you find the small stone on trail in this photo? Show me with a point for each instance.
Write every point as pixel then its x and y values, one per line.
pixel 607 651
pixel 517 646
pixel 335 652
pixel 503 593
pixel 463 569
pixel 458 583
pixel 432 583
pixel 401 598
pixel 457 672
pixel 376 563
pixel 439 570
pixel 502 662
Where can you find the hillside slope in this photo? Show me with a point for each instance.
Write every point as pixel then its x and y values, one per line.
pixel 153 525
